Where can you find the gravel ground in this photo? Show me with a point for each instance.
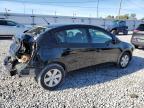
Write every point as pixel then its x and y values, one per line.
pixel 96 87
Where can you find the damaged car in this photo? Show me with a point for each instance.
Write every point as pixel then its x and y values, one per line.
pixel 59 49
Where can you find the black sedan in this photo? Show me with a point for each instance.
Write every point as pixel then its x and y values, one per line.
pixel 64 48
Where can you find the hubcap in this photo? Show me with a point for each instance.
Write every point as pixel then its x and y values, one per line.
pixel 52 77
pixel 124 60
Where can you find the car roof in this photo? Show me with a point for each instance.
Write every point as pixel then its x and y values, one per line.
pixel 6 20
pixel 141 24
pixel 53 26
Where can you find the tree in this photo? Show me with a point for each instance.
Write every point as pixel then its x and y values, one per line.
pixel 110 17
pixel 126 16
pixel 132 16
pixel 142 18
pixel 123 17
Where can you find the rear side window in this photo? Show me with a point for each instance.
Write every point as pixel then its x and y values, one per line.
pixel 122 23
pixel 11 23
pixel 2 22
pixel 98 36
pixel 78 35
pixel 141 27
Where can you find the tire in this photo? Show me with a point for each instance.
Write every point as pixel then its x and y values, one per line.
pixel 124 60
pixel 51 77
pixel 115 32
pixel 136 46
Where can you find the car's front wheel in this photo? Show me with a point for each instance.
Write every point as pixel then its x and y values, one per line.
pixel 115 32
pixel 124 60
pixel 51 76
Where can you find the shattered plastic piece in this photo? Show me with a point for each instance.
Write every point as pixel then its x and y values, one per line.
pixel 24 58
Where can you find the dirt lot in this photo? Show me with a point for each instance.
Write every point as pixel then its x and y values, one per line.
pixel 96 87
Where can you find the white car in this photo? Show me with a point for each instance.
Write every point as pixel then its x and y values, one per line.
pixel 11 28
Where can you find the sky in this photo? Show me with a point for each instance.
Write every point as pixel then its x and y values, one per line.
pixel 79 8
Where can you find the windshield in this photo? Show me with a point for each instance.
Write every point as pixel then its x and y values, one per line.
pixel 141 27
pixel 114 23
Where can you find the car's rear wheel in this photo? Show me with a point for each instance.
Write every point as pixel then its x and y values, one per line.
pixel 136 46
pixel 124 60
pixel 51 76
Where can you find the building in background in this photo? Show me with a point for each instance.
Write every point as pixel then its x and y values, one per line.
pixel 43 20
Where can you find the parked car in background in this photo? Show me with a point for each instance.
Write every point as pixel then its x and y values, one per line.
pixel 64 48
pixel 118 26
pixel 10 28
pixel 138 36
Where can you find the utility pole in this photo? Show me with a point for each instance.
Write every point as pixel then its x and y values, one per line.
pixel 32 12
pixel 74 14
pixel 120 9
pixel 24 7
pixel 55 13
pixel 33 22
pixel 97 8
pixel 55 16
pixel 74 17
pixel 6 12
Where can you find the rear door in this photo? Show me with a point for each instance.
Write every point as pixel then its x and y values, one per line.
pixel 75 44
pixel 103 49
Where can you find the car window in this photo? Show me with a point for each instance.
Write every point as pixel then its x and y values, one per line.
pixel 141 27
pixel 78 35
pixel 2 22
pixel 122 23
pixel 98 36
pixel 11 23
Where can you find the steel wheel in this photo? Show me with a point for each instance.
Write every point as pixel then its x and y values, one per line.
pixel 52 77
pixel 124 61
pixel 115 32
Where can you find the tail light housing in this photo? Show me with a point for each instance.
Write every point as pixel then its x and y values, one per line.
pixel 135 31
pixel 134 39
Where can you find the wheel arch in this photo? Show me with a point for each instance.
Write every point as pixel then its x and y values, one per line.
pixel 59 63
pixel 113 29
pixel 125 51
pixel 40 76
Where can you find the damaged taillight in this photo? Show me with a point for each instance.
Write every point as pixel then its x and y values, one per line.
pixel 25 51
pixel 24 58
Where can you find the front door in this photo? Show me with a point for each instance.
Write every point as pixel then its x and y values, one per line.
pixel 103 49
